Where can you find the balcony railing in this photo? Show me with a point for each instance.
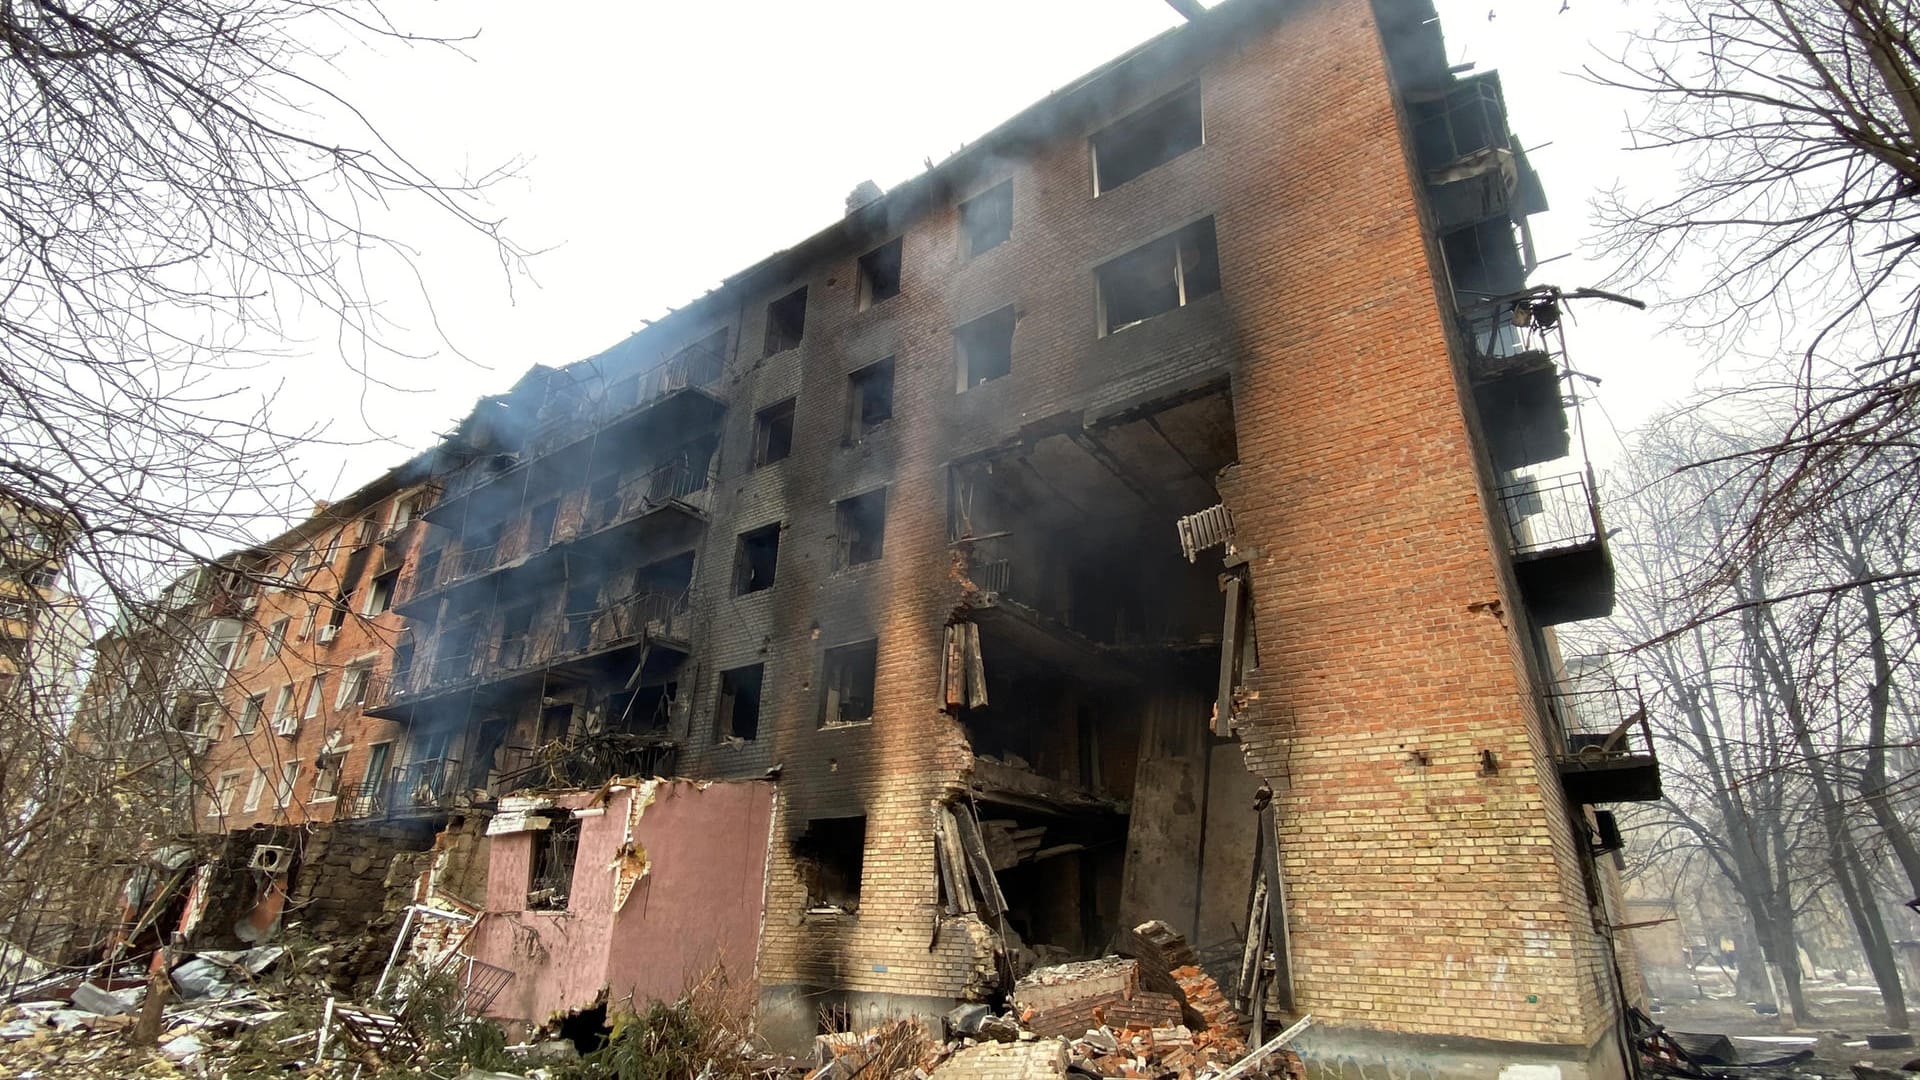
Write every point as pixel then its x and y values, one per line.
pixel 1606 752
pixel 692 368
pixel 425 785
pixel 551 640
pixel 585 760
pixel 637 494
pixel 1547 514
pixel 363 800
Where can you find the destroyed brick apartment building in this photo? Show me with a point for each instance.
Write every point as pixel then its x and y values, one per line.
pixel 1168 498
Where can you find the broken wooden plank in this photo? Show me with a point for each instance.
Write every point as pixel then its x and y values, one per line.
pixel 1277 908
pixel 949 835
pixel 945 875
pixel 1222 723
pixel 976 668
pixel 1266 1049
pixel 977 860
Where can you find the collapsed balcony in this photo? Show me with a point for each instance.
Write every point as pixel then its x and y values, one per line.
pixel 1081 662
pixel 1606 745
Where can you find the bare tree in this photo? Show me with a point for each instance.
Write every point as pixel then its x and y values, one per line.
pixel 1799 208
pixel 181 187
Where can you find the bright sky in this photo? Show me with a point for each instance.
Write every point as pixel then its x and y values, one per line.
pixel 668 145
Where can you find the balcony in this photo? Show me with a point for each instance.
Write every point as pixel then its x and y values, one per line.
pixel 659 408
pixel 658 619
pixel 1517 388
pixel 1559 547
pixel 1606 745
pixel 663 501
pixel 586 760
pixel 361 801
pixel 424 786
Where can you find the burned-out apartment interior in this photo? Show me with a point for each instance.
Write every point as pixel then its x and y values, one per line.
pixel 1009 611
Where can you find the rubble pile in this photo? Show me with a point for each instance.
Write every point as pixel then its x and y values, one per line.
pixel 1156 1015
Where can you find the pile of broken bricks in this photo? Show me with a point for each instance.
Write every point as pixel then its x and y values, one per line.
pixel 1155 1015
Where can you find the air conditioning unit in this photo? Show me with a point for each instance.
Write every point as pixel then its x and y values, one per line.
pixel 328 633
pixel 248 605
pixel 271 858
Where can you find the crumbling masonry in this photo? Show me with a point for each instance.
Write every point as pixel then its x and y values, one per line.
pixel 1165 499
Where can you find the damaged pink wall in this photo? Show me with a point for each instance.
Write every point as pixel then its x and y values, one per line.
pixel 701 900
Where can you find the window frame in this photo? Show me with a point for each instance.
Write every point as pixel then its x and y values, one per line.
pixel 830 703
pixel 869 270
pixel 764 421
pixel 728 697
pixel 1138 117
pixel 845 538
pixel 980 201
pixel 860 382
pixel 743 564
pixel 1185 281
pixel 775 340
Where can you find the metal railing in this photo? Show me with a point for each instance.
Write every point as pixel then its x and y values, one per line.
pixel 693 367
pixel 644 491
pixel 1599 723
pixel 585 760
pixel 362 800
pixel 425 785
pixel 552 639
pixel 1548 513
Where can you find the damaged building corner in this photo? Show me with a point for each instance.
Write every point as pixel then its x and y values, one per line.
pixel 1037 604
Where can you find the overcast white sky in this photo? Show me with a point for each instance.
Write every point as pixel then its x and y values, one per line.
pixel 668 145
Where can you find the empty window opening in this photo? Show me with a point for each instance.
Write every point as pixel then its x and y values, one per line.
pixel 380 596
pixel 516 627
pixel 757 560
pixel 739 713
pixel 860 523
pixel 829 855
pixel 786 321
pixel 846 683
pixel 880 274
pixel 554 851
pixel 869 399
pixel 648 710
pixel 1168 273
pixel 555 722
pixel 986 220
pixel 1146 138
pixel 985 348
pixel 773 433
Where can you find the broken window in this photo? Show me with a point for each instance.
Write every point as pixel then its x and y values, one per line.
pixel 540 525
pixel 829 856
pixel 306 624
pixel 1168 273
pixel 786 321
pixel 773 433
pixel 337 617
pixel 315 689
pixel 554 851
pixel 869 399
pixel 1146 138
pixel 986 220
pixel 515 627
pixel 846 683
pixel 326 776
pixel 251 713
pixel 739 713
pixel 380 596
pixel 283 787
pixel 276 639
pixel 284 722
pixel 757 559
pixel 555 722
pixel 353 686
pixel 985 347
pixel 880 274
pixel 860 523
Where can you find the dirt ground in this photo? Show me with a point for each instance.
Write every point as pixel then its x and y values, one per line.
pixel 1843 1016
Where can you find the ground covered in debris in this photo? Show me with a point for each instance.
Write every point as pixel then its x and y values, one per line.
pixel 1834 1040
pixel 268 1012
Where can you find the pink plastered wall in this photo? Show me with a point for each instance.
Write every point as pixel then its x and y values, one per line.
pixel 700 901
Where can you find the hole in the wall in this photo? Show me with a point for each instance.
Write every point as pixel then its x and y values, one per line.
pixel 830 856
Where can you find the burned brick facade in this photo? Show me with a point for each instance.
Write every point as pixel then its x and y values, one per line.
pixel 892 517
